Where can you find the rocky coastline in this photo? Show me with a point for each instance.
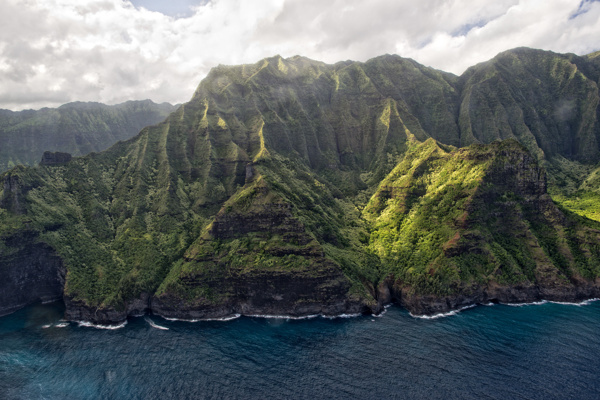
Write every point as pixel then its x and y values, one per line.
pixel 417 305
pixel 35 273
pixel 422 305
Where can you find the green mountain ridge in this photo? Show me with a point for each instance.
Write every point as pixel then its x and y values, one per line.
pixel 294 187
pixel 77 128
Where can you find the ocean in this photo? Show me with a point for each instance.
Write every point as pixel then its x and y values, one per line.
pixel 544 351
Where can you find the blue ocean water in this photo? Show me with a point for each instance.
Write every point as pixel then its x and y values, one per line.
pixel 548 351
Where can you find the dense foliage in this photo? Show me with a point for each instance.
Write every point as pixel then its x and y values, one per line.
pixel 75 128
pixel 359 167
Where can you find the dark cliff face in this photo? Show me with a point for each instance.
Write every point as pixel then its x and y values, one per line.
pixel 31 272
pixel 77 310
pixel 291 186
pixel 12 194
pixel 278 293
pixel 55 158
pixel 15 186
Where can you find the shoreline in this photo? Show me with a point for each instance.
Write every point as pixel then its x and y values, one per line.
pixel 489 304
pixel 148 314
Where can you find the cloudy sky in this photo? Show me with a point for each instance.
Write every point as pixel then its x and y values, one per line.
pixel 56 51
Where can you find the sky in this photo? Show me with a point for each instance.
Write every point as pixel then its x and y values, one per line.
pixel 56 51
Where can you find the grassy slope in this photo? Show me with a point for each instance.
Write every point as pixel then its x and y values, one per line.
pixel 445 219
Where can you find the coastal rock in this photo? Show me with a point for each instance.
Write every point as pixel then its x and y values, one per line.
pixel 77 310
pixel 384 293
pixel 427 305
pixel 264 294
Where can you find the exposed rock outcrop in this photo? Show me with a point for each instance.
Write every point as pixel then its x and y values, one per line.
pixel 55 158
pixel 263 293
pixel 12 194
pixel 77 310
pixel 431 304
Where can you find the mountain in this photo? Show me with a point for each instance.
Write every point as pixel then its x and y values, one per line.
pixel 76 128
pixel 458 227
pixel 295 187
pixel 547 101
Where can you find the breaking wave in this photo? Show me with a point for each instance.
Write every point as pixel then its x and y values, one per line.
pixel 88 324
pixel 443 315
pixel 155 325
pixel 229 318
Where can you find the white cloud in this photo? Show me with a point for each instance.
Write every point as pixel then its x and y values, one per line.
pixel 55 51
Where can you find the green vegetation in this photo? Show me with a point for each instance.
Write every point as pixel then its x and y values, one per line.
pixel 75 128
pixel 349 174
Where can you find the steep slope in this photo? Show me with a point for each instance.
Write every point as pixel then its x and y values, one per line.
pixel 75 128
pixel 458 227
pixel 547 101
pixel 551 104
pixel 250 199
pixel 256 257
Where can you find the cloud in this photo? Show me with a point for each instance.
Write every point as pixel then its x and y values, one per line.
pixel 56 51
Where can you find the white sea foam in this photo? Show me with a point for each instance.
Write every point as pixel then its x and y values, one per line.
pixel 98 326
pixel 303 317
pixel 154 325
pixel 234 316
pixel 283 316
pixel 228 318
pixel 534 303
pixel 267 316
pixel 342 316
pixel 566 303
pixel 579 304
pixel 183 320
pixel 385 308
pixel 57 325
pixel 442 315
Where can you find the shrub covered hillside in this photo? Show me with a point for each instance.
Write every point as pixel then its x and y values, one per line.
pixel 295 187
pixel 75 128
